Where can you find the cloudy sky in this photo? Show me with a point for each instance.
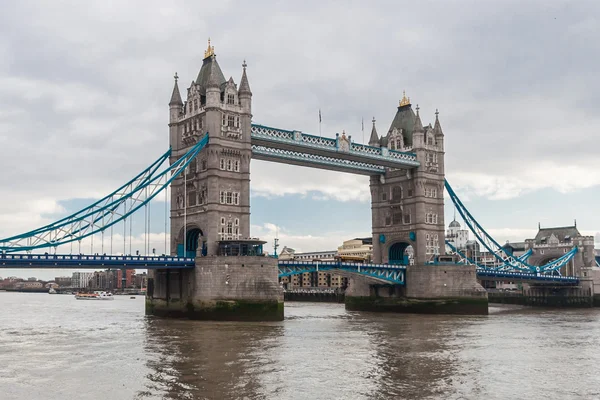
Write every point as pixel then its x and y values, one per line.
pixel 84 87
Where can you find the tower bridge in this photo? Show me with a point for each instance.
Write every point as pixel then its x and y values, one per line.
pixel 217 270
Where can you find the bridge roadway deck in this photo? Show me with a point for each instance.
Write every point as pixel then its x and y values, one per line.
pixel 82 261
pixel 394 274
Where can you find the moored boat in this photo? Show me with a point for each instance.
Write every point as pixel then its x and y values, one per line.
pixel 94 296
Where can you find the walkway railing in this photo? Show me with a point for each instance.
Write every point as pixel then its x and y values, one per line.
pixel 303 140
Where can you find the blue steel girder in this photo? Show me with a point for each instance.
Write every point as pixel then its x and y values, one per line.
pixel 82 261
pixel 486 274
pixel 108 211
pixel 313 160
pixel 338 148
pixel 507 260
pixel 393 274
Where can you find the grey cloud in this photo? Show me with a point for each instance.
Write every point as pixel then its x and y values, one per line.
pixel 84 86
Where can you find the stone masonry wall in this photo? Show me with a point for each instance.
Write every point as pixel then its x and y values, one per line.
pixel 442 281
pixel 233 278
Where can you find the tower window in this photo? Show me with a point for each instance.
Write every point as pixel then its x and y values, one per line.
pixel 236 166
pixel 396 193
pixel 224 119
pixel 230 99
pixel 231 121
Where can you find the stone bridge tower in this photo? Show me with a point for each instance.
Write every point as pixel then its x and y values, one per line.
pixel 408 205
pixel 210 209
pixel 211 200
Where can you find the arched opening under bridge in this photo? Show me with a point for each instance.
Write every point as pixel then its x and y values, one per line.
pixel 192 238
pixel 400 253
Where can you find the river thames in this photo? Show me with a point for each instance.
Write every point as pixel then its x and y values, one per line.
pixel 55 347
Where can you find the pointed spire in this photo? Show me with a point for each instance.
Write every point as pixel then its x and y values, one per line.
pixel 244 85
pixel 374 139
pixel 405 100
pixel 176 96
pixel 437 128
pixel 418 127
pixel 210 51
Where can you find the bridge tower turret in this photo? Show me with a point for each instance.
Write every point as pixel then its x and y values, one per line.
pixel 408 205
pixel 175 112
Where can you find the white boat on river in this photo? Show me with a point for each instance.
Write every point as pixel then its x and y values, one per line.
pixel 95 296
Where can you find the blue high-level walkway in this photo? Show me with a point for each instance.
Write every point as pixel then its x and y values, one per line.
pixel 338 154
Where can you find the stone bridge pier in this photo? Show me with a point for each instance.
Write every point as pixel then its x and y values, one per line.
pixel 429 289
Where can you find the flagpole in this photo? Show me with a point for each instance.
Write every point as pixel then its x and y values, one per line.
pixel 319 122
pixel 362 124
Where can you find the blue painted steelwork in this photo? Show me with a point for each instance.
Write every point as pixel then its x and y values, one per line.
pixel 486 274
pixel 393 274
pixel 525 256
pixel 301 143
pixel 82 261
pixel 108 211
pixel 274 154
pixel 507 260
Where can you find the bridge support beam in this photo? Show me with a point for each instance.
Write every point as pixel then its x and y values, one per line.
pixel 430 289
pixel 219 288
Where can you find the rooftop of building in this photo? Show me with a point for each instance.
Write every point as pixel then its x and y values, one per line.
pixel 562 233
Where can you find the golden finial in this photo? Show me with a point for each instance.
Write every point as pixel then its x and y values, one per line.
pixel 210 51
pixel 405 101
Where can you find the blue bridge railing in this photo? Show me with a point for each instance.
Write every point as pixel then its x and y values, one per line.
pixel 93 261
pixel 395 274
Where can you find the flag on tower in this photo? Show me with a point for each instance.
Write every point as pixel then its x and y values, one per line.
pixel 362 125
pixel 319 115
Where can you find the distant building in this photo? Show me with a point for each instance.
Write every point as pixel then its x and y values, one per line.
pixel 357 249
pixel 63 281
pixel 29 284
pixel 287 253
pixel 128 278
pixel 456 236
pixel 102 280
pixel 81 279
pixel 141 280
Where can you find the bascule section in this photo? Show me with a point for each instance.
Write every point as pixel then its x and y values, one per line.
pixel 210 207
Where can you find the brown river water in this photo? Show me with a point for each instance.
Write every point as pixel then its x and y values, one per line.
pixel 56 347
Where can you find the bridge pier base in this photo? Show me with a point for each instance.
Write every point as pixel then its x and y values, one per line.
pixel 219 288
pixel 430 289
